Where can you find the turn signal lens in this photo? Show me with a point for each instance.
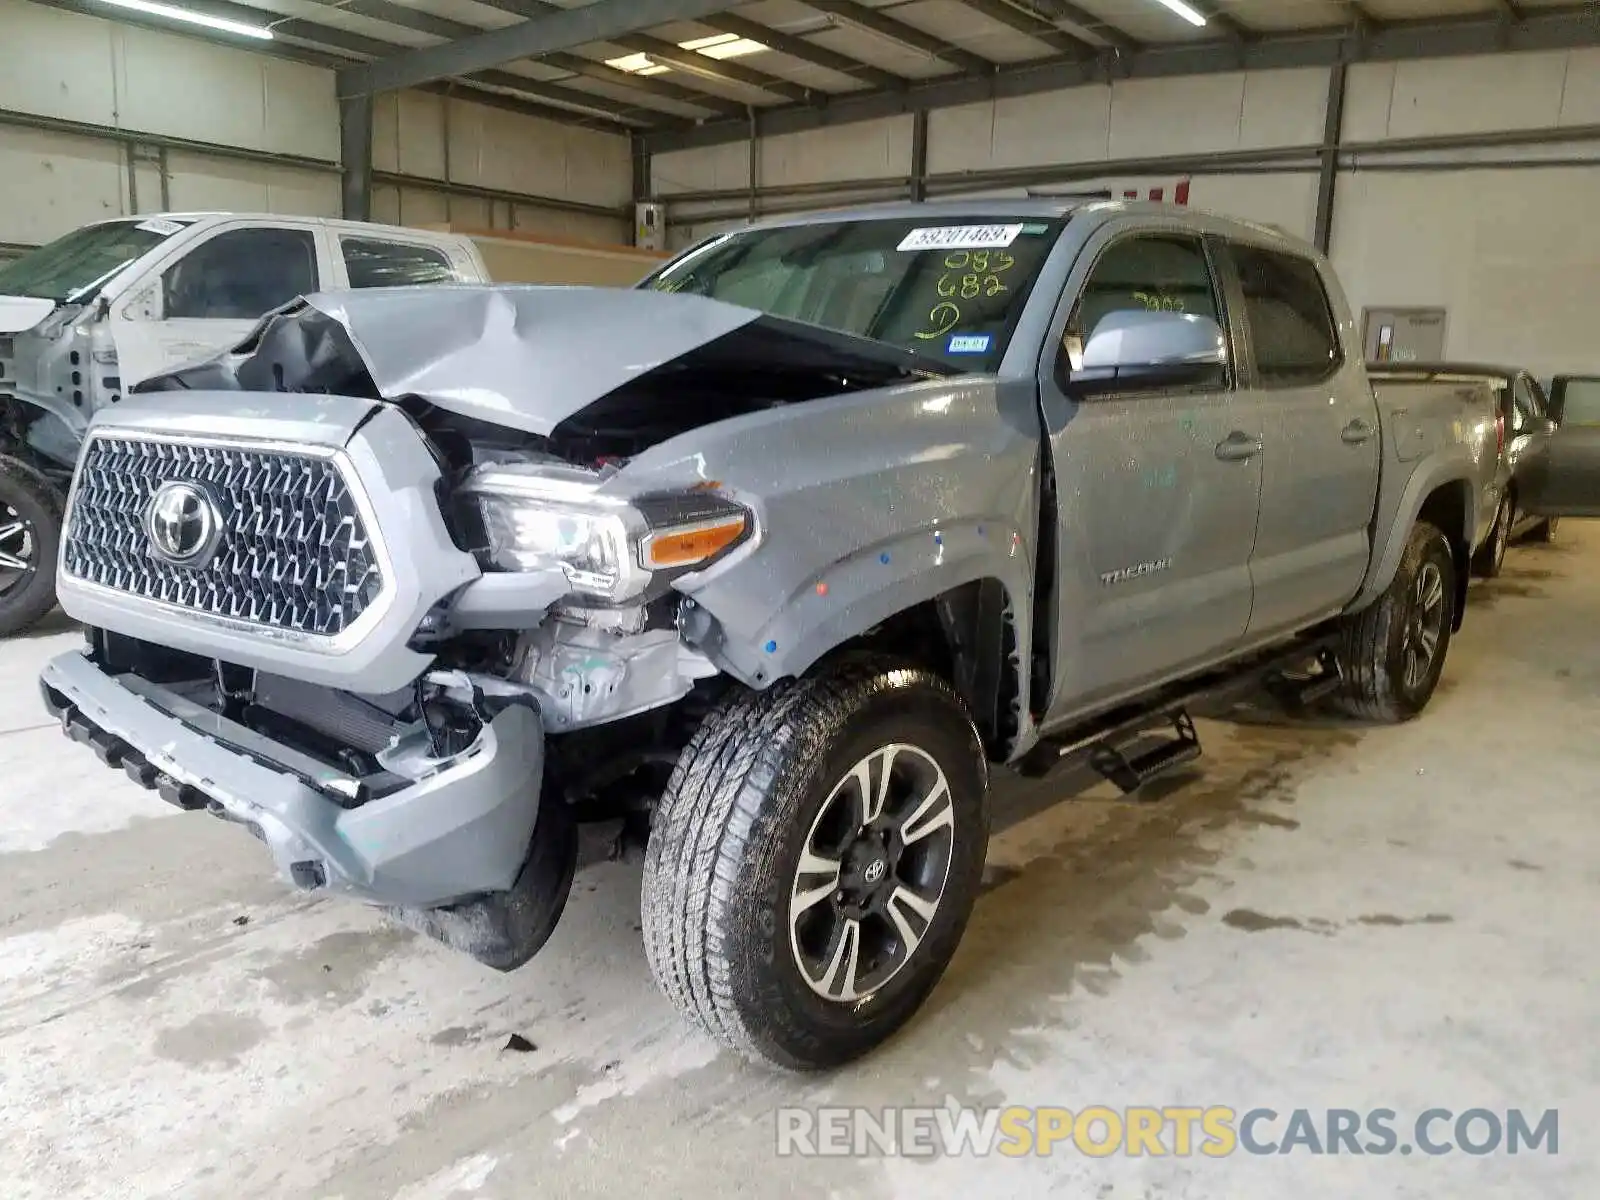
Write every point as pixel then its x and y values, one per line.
pixel 690 544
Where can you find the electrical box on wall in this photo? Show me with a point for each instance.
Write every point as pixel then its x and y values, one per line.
pixel 1401 335
pixel 650 226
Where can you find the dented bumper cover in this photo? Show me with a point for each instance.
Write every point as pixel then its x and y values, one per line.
pixel 462 827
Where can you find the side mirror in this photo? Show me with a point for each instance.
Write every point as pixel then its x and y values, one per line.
pixel 1131 350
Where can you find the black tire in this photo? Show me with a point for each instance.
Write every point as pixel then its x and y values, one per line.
pixel 723 866
pixel 1545 531
pixel 1491 556
pixel 28 497
pixel 1375 648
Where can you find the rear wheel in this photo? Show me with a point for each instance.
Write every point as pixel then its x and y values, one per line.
pixel 814 860
pixel 1491 556
pixel 30 533
pixel 1392 652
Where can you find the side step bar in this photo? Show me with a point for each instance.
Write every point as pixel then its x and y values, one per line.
pixel 1130 772
pixel 1117 744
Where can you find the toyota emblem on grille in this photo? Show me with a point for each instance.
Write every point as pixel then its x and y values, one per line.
pixel 183 524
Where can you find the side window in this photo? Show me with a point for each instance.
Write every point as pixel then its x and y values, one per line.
pixel 1153 273
pixel 241 274
pixel 372 263
pixel 1291 323
pixel 1580 399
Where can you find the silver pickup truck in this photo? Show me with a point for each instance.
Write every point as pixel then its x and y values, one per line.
pixel 775 556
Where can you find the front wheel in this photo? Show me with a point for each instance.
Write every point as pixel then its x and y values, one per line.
pixel 1545 532
pixel 1392 652
pixel 30 532
pixel 814 860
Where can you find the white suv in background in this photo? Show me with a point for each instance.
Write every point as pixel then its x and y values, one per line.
pixel 113 303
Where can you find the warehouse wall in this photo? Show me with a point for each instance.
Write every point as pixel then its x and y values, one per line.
pixel 105 75
pixel 1131 119
pixel 99 73
pixel 439 138
pixel 1511 248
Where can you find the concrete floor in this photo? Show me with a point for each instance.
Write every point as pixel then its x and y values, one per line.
pixel 1321 916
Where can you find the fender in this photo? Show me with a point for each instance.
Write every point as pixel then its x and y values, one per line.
pixel 1392 533
pixel 866 588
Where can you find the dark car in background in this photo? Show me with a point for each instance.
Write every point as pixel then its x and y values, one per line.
pixel 1524 419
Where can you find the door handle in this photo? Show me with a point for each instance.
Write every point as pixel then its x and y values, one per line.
pixel 1356 432
pixel 1238 446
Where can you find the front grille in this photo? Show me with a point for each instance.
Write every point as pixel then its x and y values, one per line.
pixel 293 551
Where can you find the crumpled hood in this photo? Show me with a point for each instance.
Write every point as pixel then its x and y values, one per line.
pixel 523 357
pixel 607 366
pixel 18 314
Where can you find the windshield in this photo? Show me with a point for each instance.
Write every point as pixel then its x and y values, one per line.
pixel 85 256
pixel 950 291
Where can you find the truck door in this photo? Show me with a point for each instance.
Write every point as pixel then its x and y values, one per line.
pixel 1157 479
pixel 1320 467
pixel 212 296
pixel 1559 475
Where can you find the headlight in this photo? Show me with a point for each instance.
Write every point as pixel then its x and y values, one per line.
pixel 539 517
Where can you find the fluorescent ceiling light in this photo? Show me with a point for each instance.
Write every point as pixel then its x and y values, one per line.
pixel 173 13
pixel 636 64
pixel 1183 10
pixel 722 45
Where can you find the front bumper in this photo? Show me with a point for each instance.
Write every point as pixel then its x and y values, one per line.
pixel 461 829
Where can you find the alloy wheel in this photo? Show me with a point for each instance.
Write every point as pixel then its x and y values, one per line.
pixel 1424 624
pixel 1502 534
pixel 871 873
pixel 19 549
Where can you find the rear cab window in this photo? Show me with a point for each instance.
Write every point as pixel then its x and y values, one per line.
pixel 376 262
pixel 1291 322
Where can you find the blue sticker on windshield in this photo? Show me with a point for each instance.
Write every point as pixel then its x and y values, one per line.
pixel 968 343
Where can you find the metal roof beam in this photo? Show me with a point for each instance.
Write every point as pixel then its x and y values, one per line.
pixel 430 23
pixel 1064 10
pixel 645 85
pixel 1026 21
pixel 1221 21
pixel 910 36
pixel 325 45
pixel 799 48
pixel 1361 15
pixel 724 71
pixel 1548 29
pixel 540 36
pixel 666 52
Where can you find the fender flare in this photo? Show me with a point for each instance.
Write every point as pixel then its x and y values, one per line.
pixel 1390 546
pixel 856 593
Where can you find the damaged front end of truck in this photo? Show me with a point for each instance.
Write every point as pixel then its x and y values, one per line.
pixel 412 580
